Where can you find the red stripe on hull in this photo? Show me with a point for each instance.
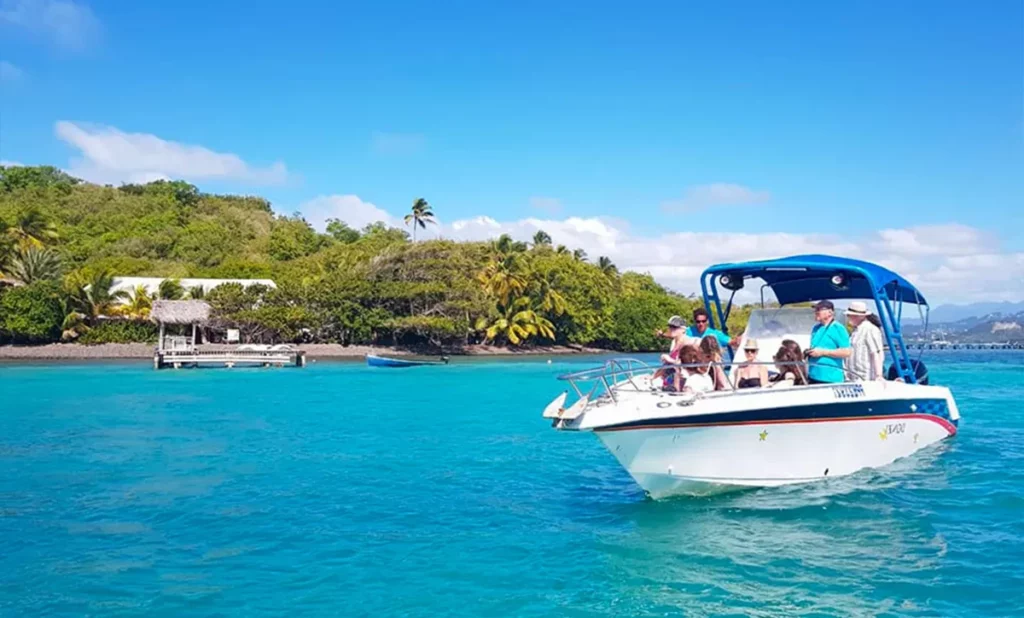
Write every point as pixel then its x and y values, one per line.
pixel 949 427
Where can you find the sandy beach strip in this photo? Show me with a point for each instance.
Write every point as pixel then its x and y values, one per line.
pixel 74 351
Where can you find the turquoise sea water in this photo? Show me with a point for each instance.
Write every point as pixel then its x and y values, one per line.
pixel 343 490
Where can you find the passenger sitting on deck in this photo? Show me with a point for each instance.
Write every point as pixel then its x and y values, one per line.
pixel 709 346
pixel 793 347
pixel 791 369
pixel 673 378
pixel 677 333
pixel 748 374
pixel 699 378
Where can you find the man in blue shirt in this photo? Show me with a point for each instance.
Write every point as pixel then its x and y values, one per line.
pixel 830 345
pixel 702 328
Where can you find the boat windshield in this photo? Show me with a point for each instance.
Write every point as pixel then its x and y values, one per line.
pixel 770 326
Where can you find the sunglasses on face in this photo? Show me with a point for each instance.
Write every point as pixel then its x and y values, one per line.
pixel 750 351
pixel 701 321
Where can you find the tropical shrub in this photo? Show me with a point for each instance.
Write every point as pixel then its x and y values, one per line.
pixel 31 313
pixel 121 331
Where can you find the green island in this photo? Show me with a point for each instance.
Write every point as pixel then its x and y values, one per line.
pixel 63 241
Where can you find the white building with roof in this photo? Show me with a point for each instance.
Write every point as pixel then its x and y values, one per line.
pixel 152 284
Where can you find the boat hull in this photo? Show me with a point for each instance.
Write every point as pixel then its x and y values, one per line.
pixel 383 361
pixel 773 439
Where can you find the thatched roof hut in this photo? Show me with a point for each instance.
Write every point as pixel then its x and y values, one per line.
pixel 180 312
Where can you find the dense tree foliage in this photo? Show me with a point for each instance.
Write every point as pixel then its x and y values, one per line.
pixel 31 313
pixel 346 285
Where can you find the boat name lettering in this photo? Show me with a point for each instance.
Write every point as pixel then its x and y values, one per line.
pixel 895 428
pixel 848 391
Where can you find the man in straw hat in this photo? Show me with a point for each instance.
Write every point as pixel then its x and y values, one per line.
pixel 866 359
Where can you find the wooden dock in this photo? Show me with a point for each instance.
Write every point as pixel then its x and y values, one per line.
pixel 177 359
pixel 1013 345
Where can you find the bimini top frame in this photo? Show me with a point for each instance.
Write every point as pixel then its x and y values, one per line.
pixel 804 278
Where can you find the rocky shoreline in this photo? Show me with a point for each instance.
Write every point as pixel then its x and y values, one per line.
pixel 74 351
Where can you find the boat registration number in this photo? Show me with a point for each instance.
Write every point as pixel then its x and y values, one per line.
pixel 895 428
pixel 848 391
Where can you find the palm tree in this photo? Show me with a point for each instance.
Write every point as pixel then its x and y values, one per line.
pixel 33 263
pixel 420 216
pixel 580 255
pixel 170 289
pixel 31 229
pixel 139 304
pixel 551 300
pixel 93 297
pixel 504 278
pixel 541 239
pixel 517 323
pixel 6 247
pixel 561 250
pixel 606 265
pixel 504 245
pixel 196 292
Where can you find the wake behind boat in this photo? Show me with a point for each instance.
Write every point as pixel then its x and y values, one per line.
pixel 383 361
pixel 705 443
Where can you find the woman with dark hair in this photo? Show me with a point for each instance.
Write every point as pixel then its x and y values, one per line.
pixel 793 347
pixel 673 377
pixel 791 369
pixel 709 346
pixel 698 378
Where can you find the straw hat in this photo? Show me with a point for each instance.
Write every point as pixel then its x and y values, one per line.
pixel 751 344
pixel 857 307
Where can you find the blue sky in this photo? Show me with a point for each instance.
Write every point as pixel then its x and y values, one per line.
pixel 749 118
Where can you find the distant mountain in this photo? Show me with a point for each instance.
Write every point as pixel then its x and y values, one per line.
pixel 947 314
pixel 995 327
pixel 1010 328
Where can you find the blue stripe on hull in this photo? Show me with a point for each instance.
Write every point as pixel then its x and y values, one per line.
pixel 839 410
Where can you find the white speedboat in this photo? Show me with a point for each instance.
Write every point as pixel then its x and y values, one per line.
pixel 707 443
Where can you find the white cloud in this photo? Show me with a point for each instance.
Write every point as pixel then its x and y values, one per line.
pixel 397 144
pixel 111 156
pixel 699 197
pixel 934 240
pixel 66 23
pixel 348 208
pixel 9 72
pixel 6 163
pixel 974 271
pixel 551 205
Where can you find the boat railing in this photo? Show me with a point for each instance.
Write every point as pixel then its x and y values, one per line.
pixel 615 374
pixel 606 378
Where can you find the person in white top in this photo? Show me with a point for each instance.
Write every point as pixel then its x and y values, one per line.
pixel 866 358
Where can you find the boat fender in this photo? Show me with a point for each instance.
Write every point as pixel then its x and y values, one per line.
pixel 663 404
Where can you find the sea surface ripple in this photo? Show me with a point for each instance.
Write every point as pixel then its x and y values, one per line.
pixel 439 491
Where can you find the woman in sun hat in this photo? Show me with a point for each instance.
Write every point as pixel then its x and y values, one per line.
pixel 866 357
pixel 748 374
